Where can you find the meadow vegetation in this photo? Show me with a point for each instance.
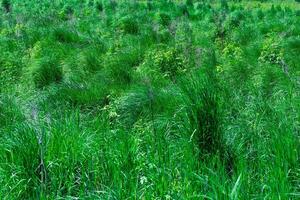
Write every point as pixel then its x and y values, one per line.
pixel 153 99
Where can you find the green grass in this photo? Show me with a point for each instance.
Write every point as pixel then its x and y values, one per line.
pixel 149 99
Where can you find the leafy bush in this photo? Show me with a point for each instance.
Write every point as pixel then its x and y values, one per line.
pixel 168 60
pixel 271 52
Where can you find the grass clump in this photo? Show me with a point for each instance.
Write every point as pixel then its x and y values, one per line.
pixel 10 112
pixel 16 147
pixel 129 25
pixel 45 71
pixel 65 36
pixel 44 64
pixel 6 5
pixel 67 12
pixel 85 95
pixel 164 19
pixel 99 6
pixel 204 113
pixel 120 65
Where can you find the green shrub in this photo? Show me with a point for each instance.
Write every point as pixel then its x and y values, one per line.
pixel 168 60
pixel 271 52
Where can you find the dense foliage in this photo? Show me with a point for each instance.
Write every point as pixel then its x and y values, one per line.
pixel 158 99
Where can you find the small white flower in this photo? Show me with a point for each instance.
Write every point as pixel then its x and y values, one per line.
pixel 143 180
